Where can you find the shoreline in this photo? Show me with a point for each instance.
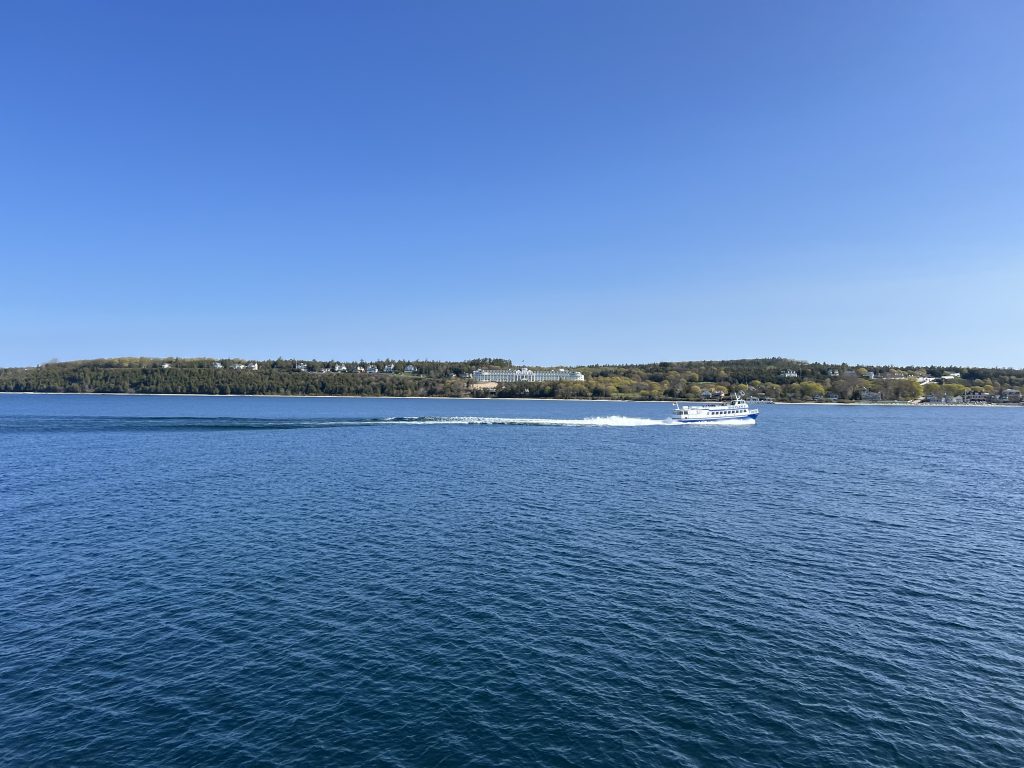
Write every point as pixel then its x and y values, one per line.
pixel 888 404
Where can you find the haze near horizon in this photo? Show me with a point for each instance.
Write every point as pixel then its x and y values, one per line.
pixel 580 183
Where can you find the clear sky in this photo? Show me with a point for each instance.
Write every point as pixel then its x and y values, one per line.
pixel 554 182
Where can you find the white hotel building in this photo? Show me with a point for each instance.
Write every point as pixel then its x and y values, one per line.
pixel 525 374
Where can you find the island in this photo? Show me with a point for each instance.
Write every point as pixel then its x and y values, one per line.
pixel 765 379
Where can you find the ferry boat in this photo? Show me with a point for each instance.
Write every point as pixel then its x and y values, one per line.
pixel 706 413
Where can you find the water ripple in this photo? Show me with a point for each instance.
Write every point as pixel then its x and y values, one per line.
pixel 225 590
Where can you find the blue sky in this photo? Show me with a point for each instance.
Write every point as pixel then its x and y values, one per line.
pixel 555 182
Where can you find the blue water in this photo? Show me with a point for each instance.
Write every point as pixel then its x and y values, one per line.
pixel 284 581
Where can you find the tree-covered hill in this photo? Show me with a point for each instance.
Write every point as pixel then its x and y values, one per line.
pixel 240 377
pixel 775 378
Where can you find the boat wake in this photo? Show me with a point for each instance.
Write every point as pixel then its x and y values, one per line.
pixel 514 421
pixel 591 421
pixel 178 423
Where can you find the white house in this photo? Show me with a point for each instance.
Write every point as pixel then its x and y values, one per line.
pixel 410 369
pixel 790 374
pixel 253 366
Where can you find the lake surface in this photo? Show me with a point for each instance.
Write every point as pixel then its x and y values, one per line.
pixel 285 581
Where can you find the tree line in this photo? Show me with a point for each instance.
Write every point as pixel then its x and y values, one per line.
pixel 779 379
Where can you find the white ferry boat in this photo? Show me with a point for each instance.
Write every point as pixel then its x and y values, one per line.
pixel 705 413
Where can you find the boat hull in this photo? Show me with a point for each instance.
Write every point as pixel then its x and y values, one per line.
pixel 749 418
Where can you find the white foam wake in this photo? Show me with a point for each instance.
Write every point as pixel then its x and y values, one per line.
pixel 592 421
pixel 589 421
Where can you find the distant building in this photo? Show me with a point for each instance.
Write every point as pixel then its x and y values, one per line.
pixel 711 394
pixel 525 374
pixel 217 365
pixel 978 397
pixel 870 375
pixel 360 369
pixel 338 368
pixel 253 366
pixel 301 367
pixel 868 396
pixel 1011 395
pixel 389 368
pixel 372 369
pixel 410 369
pixel 790 374
pixel 237 366
pixel 833 372
pixel 950 376
pixel 165 365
